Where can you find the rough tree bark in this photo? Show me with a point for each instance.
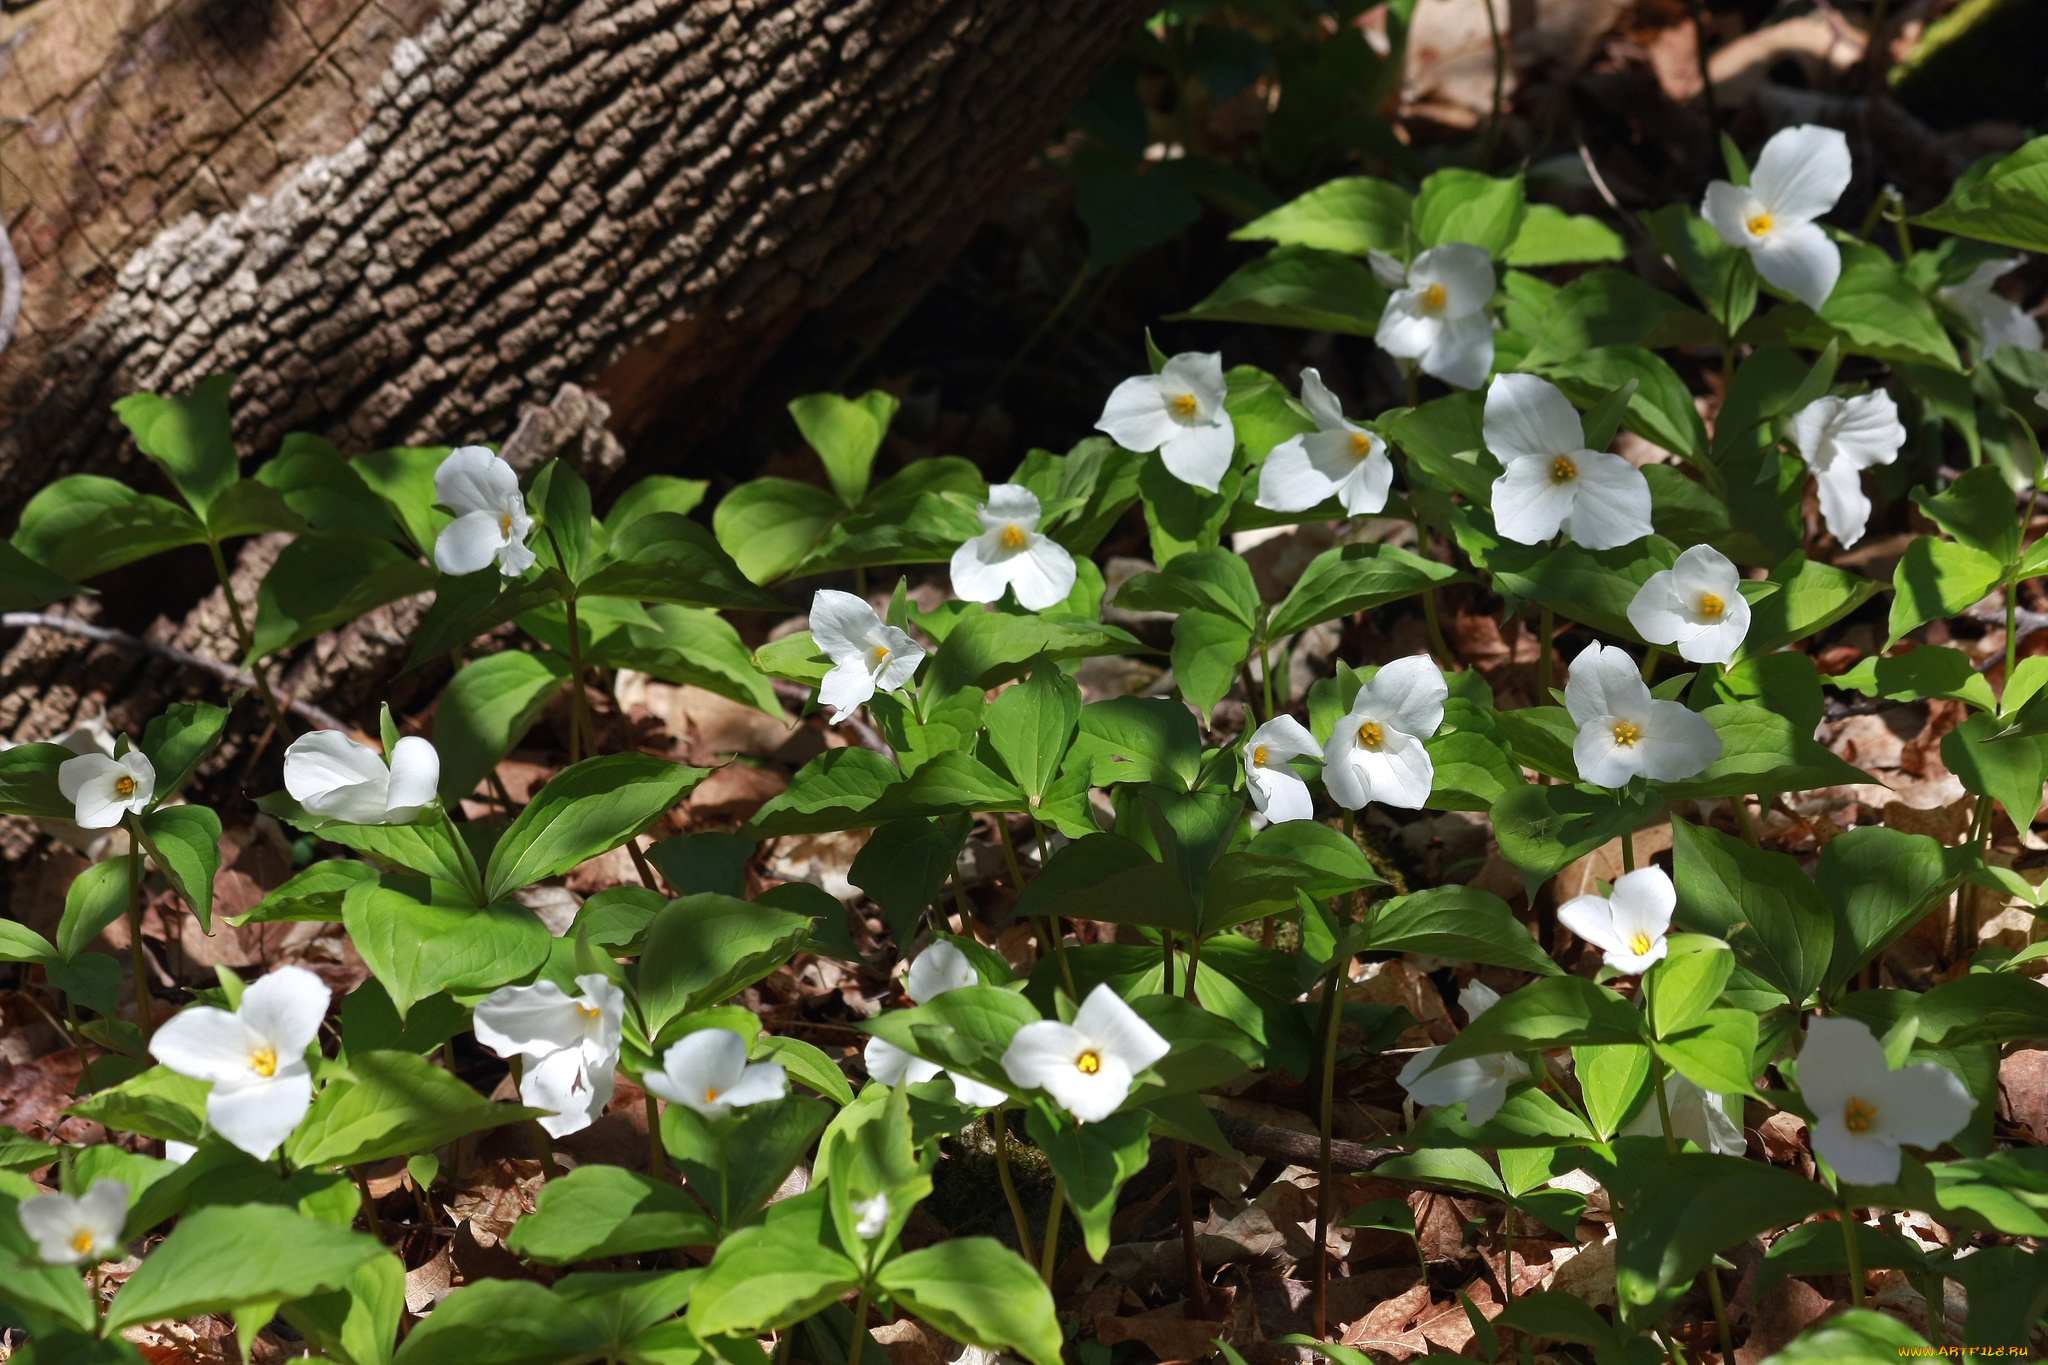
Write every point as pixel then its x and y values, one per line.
pixel 408 221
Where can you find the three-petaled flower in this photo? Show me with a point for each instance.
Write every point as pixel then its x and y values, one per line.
pixel 1551 481
pixel 1376 752
pixel 1087 1066
pixel 335 778
pixel 1839 438
pixel 1178 412
pixel 68 1231
pixel 490 515
pixel 1995 319
pixel 1864 1111
pixel 933 972
pixel 1276 790
pixel 1628 926
pixel 1011 552
pixel 1479 1083
pixel 708 1071
pixel 1437 313
pixel 1799 175
pixel 868 655
pixel 102 790
pixel 568 1046
pixel 1339 459
pixel 1696 605
pixel 255 1057
pixel 1624 731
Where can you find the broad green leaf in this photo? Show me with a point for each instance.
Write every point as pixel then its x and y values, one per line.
pixel 1976 510
pixel 403 478
pixel 386 1104
pixel 1716 1053
pixel 1860 1336
pixel 156 1103
pixel 583 811
pixel 1763 752
pixel 476 604
pixel 806 1065
pixel 19 943
pixel 2002 205
pixel 486 709
pixel 694 646
pixel 248 508
pixel 1331 864
pixel 768 525
pixel 1355 578
pixel 184 843
pixel 1458 922
pixel 370 1023
pixel 1687 983
pixel 429 845
pixel 1818 1249
pixel 560 501
pixel 1297 286
pixel 503 1322
pixel 1451 1167
pixel 1353 214
pixel 1542 828
pixel 1093 1160
pixel 967 1029
pixel 706 948
pixel 1458 205
pixel 1917 674
pixel 763 1278
pixel 1180 517
pixel 1137 739
pixel 1810 597
pixel 26 585
pixel 326 579
pixel 737 1163
pixel 1613 308
pixel 177 740
pixel 1660 410
pixel 1761 904
pixel 1031 725
pixel 1550 236
pixel 225 1257
pixel 988 648
pixel 978 1291
pixel 1201 580
pixel 56 1293
pixel 1939 578
pixel 358 1323
pixel 190 436
pixel 1592 587
pixel 1611 1078
pixel 596 1212
pixel 1208 653
pixel 2009 771
pixel 1551 1012
pixel 83 525
pixel 97 897
pixel 904 867
pixel 829 792
pixel 1879 882
pixel 663 557
pixel 923 528
pixel 416 948
pixel 655 493
pixel 948 784
pixel 1720 276
pixel 1983 1007
pixel 324 490
pixel 1558 1316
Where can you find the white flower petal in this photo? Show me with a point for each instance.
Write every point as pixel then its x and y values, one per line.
pixel 1844 506
pixel 469 543
pixel 1200 373
pixel 1604 682
pixel 1463 270
pixel 1199 456
pixel 565 1083
pixel 1280 795
pixel 415 778
pixel 1530 505
pixel 514 558
pixel 1858 1158
pixel 1322 405
pixel 1528 416
pixel 844 626
pixel 1728 208
pixel 258 1117
pixel 1409 695
pixel 1387 269
pixel 1801 172
pixel 1477 998
pixel 1839 1058
pixel 1462 354
pixel 534 1020
pixel 973 1093
pixel 1091 1098
pixel 1924 1105
pixel 285 1009
pixel 1800 261
pixel 1010 504
pixel 889 1064
pixel 1602 759
pixel 1105 1020
pixel 334 777
pixel 1400 774
pixel 1408 327
pixel 1642 903
pixel 1611 506
pixel 1677 743
pixel 1043 575
pixel 1289 481
pixel 206 1044
pixel 936 970
pixel 846 689
pixel 472 479
pixel 759 1083
pixel 1590 917
pixel 1136 415
pixel 1041 1050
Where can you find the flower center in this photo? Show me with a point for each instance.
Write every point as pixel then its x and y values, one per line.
pixel 1858 1115
pixel 1013 537
pixel 879 655
pixel 1626 733
pixel 1711 605
pixel 1361 446
pixel 1433 298
pixel 1760 224
pixel 505 526
pixel 1370 736
pixel 588 1011
pixel 1259 756
pixel 263 1061
pixel 710 1094
pixel 1089 1062
pixel 81 1241
pixel 1563 470
pixel 1184 406
pixel 124 787
pixel 1639 943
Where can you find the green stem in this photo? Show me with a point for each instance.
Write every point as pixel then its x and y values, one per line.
pixel 1251 691
pixel 860 1329
pixel 1740 805
pixel 370 1218
pixel 2012 640
pixel 1052 1232
pixel 999 1121
pixel 1198 1297
pixel 247 641
pixel 1628 851
pixel 1166 938
pixel 1266 678
pixel 1544 631
pixel 145 1016
pixel 1650 663
pixel 1663 1103
pixel 1853 1249
pixel 577 722
pixel 1438 645
pixel 1059 940
pixel 1507 1255
pixel 657 1158
pixel 1720 1305
pixel 1500 76
pixel 1332 993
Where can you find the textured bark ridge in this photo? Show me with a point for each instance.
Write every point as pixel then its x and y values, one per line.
pixel 487 200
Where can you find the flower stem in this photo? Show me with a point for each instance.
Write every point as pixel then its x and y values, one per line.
pixel 1500 75
pixel 1438 645
pixel 1330 1021
pixel 1198 1297
pixel 145 1017
pixel 1050 1251
pixel 577 722
pixel 1853 1249
pixel 370 1219
pixel 1544 631
pixel 860 1329
pixel 657 1159
pixel 1740 805
pixel 1650 664
pixel 1719 1300
pixel 999 1123
pixel 246 640
pixel 1266 675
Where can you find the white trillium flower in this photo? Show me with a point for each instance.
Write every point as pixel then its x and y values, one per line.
pixel 1086 1066
pixel 336 778
pixel 255 1057
pixel 1479 1083
pixel 868 656
pixel 1696 605
pixel 891 1065
pixel 873 1216
pixel 1864 1111
pixel 1629 926
pixel 936 970
pixel 1996 320
pixel 1178 412
pixel 1010 553
pixel 1551 482
pixel 1376 752
pixel 568 1046
pixel 1437 313
pixel 1698 1116
pixel 102 790
pixel 68 1231
pixel 1276 790
pixel 1623 730
pixel 490 515
pixel 1339 459
pixel 1839 438
pixel 1799 175
pixel 708 1071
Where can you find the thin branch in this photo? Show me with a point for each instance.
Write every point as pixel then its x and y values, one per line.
pixel 227 673
pixel 10 288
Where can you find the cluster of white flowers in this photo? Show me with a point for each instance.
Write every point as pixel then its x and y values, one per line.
pixel 1375 753
pixel 933 972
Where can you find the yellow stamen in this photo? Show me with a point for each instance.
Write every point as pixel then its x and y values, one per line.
pixel 1089 1062
pixel 1711 605
pixel 1858 1115
pixel 1370 736
pixel 263 1061
pixel 1563 470
pixel 711 1094
pixel 589 1011
pixel 1184 405
pixel 81 1242
pixel 1639 943
pixel 1626 733
pixel 1433 298
pixel 1760 224
pixel 124 787
pixel 879 655
pixel 505 525
pixel 1361 445
pixel 1259 756
pixel 1013 537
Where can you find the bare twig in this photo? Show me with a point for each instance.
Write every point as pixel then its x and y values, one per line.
pixel 1298 1149
pixel 120 639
